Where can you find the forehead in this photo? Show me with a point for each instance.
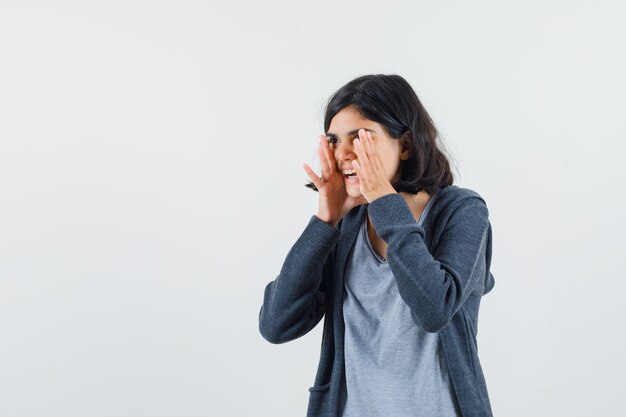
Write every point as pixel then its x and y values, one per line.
pixel 349 118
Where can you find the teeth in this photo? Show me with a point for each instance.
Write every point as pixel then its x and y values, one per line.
pixel 349 171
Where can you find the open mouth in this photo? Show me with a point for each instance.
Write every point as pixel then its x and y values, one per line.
pixel 350 174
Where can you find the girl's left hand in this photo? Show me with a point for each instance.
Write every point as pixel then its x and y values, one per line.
pixel 373 181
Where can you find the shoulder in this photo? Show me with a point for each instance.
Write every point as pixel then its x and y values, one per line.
pixel 452 197
pixel 454 201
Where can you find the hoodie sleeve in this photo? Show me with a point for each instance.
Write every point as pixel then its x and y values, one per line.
pixel 296 300
pixel 434 286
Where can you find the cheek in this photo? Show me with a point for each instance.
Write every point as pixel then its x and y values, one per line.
pixel 391 164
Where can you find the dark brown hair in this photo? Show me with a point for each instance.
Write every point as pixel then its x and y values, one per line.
pixel 390 101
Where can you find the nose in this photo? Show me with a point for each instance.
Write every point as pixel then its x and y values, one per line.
pixel 344 153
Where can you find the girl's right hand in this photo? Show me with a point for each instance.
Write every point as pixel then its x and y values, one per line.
pixel 334 201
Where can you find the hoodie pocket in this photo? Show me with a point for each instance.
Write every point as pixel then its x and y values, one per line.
pixel 318 400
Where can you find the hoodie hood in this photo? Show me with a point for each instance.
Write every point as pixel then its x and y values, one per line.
pixel 447 200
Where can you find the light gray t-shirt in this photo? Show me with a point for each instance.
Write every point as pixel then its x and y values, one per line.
pixel 393 367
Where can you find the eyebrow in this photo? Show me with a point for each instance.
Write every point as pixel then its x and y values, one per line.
pixel 352 132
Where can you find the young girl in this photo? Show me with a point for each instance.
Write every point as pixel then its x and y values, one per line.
pixel 396 260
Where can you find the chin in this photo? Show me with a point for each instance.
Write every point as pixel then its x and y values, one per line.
pixel 354 192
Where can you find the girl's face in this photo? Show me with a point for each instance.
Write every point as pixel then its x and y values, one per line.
pixel 342 131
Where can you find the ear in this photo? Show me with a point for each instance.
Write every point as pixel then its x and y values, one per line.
pixel 405 146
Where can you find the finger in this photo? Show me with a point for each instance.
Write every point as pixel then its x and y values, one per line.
pixel 328 154
pixel 363 142
pixel 360 151
pixel 323 162
pixel 359 170
pixel 313 176
pixel 324 157
pixel 371 151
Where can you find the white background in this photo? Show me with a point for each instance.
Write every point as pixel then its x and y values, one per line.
pixel 151 186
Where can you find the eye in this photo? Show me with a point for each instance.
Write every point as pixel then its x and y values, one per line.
pixel 332 140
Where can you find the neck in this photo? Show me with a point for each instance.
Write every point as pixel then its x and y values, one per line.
pixel 416 202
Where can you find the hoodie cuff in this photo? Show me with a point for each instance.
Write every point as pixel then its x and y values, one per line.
pixel 390 210
pixel 319 236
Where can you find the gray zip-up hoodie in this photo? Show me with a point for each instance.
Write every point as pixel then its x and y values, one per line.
pixel 442 270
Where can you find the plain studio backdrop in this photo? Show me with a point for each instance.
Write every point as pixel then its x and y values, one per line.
pixel 151 186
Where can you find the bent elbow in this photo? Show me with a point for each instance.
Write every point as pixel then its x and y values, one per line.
pixel 270 332
pixel 277 330
pixel 273 334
